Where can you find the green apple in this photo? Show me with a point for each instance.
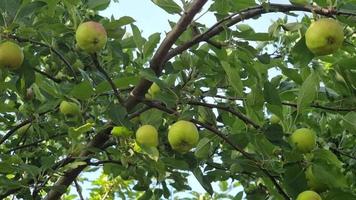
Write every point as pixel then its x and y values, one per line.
pixel 11 55
pixel 183 136
pixel 309 195
pixel 314 183
pixel 300 2
pixel 274 119
pixel 91 36
pixel 154 90
pixel 119 131
pixel 147 135
pixel 304 140
pixel 324 36
pixel 69 108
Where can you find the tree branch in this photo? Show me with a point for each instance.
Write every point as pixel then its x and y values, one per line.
pixel 24 123
pixel 79 190
pixel 159 59
pixel 245 14
pixel 46 75
pixel 233 145
pixel 241 116
pixel 291 104
pixel 72 174
pixel 35 143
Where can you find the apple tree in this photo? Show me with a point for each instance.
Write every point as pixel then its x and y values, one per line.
pixel 264 115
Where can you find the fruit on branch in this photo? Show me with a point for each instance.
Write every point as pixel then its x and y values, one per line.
pixel 304 140
pixel 147 135
pixel 183 136
pixel 300 2
pixel 309 195
pixel 153 90
pixel 69 108
pixel 119 131
pixel 313 182
pixel 11 55
pixel 324 36
pixel 91 36
pixel 274 119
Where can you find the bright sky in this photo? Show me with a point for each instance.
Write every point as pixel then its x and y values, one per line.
pixel 151 19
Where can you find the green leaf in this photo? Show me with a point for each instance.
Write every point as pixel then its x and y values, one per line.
pixel 98 4
pixel 308 91
pixel 301 54
pixel 350 121
pixel 151 44
pixel 117 113
pixel 233 76
pixel 168 5
pixel 82 91
pixel 152 152
pixel 294 180
pixel 203 148
pixel 271 96
pixel 274 133
pixel 125 20
pixel 337 194
pixel 139 40
pixel 203 180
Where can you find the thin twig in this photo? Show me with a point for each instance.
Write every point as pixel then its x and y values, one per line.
pixel 234 112
pixel 35 143
pixel 227 140
pixel 47 75
pixel 79 190
pixel 107 77
pixel 24 123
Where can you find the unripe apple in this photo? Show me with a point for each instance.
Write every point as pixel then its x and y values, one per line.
pixel 147 135
pixel 183 136
pixel 154 90
pixel 11 55
pixel 274 119
pixel 313 182
pixel 324 36
pixel 119 131
pixel 91 36
pixel 309 195
pixel 304 140
pixel 300 2
pixel 69 108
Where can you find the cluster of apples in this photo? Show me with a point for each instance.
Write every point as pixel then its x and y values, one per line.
pixel 182 136
pixel 90 36
pixel 304 141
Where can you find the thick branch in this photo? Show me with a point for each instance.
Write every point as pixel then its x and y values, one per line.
pixel 159 59
pixel 72 174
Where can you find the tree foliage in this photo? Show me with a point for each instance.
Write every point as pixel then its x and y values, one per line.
pixel 227 79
